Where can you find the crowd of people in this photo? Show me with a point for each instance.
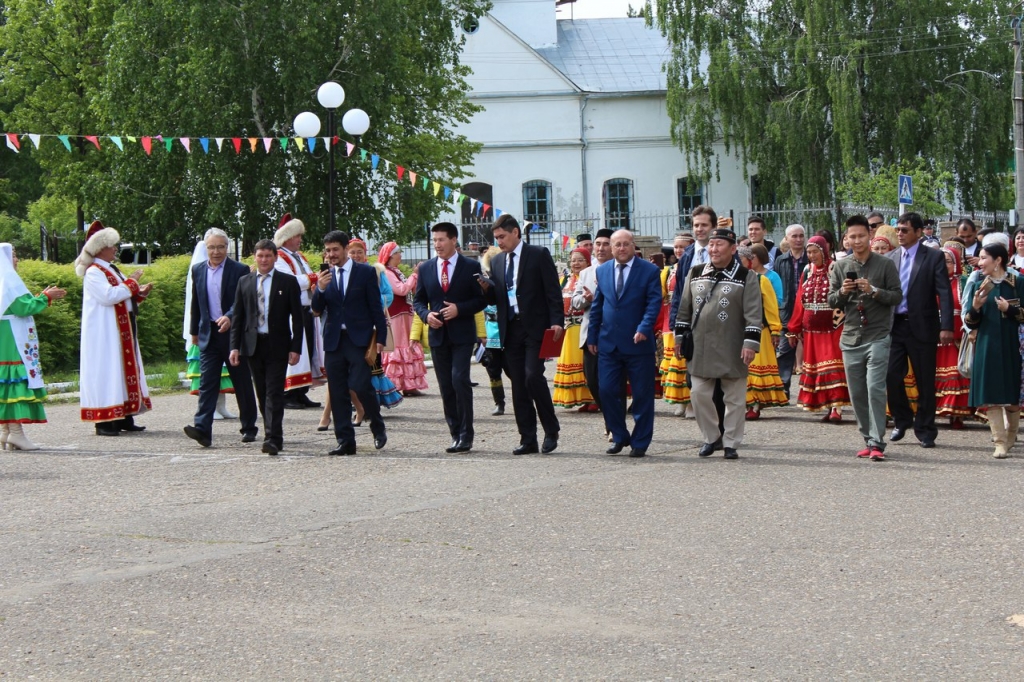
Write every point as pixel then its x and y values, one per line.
pixel 889 321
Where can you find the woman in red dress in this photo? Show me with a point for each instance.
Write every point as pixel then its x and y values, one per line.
pixel 951 388
pixel 822 375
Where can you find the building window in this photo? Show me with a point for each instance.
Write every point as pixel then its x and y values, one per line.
pixel 618 203
pixel 470 25
pixel 691 195
pixel 537 202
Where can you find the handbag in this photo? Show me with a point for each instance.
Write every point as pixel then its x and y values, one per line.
pixel 684 340
pixel 965 360
pixel 371 350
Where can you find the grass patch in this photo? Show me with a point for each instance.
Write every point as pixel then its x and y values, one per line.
pixel 159 375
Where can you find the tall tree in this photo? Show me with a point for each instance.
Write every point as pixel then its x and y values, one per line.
pixel 808 91
pixel 246 69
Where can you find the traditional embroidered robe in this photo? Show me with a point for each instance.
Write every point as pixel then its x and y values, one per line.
pixel 111 377
pixel 294 263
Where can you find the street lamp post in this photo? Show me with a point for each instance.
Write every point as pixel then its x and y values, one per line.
pixel 355 122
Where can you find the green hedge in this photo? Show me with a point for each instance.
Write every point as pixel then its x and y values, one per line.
pixel 160 316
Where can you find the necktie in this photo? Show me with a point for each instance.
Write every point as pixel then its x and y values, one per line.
pixel 444 275
pixel 261 300
pixel 510 280
pixel 620 280
pixel 341 281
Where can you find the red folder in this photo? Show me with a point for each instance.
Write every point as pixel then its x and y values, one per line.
pixel 551 348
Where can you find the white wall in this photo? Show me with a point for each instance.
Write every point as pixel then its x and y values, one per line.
pixel 531 20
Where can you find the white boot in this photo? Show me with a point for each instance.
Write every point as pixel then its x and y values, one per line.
pixel 998 425
pixel 1012 426
pixel 17 440
pixel 222 408
pixel 4 433
pixel 680 410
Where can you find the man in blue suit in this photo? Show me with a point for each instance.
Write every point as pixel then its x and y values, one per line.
pixel 621 333
pixel 350 296
pixel 213 298
pixel 447 297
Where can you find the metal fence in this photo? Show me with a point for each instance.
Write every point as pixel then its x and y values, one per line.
pixel 548 232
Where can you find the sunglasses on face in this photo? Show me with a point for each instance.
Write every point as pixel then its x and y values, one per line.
pixel 875 226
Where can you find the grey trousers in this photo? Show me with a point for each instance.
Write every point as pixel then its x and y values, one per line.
pixel 704 411
pixel 866 368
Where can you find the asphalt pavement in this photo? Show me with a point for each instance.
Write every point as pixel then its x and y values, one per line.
pixel 148 556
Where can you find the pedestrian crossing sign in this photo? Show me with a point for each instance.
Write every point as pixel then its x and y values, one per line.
pixel 906 189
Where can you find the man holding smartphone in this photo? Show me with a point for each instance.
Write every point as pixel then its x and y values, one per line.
pixel 866 287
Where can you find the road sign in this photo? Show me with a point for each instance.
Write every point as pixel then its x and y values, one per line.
pixel 906 189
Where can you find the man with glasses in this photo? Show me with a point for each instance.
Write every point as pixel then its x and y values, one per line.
pixel 875 221
pixel 866 286
pixel 916 328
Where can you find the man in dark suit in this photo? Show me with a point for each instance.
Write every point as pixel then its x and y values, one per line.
pixel 529 300
pixel 622 334
pixel 214 284
pixel 448 295
pixel 916 329
pixel 349 294
pixel 267 331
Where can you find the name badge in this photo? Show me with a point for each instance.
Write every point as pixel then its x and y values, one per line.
pixel 513 302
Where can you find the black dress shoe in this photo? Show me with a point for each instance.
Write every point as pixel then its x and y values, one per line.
pixel 304 400
pixel 105 430
pixel 927 444
pixel 380 440
pixel 270 448
pixel 616 448
pixel 730 453
pixel 198 436
pixel 498 410
pixel 708 449
pixel 293 405
pixel 897 434
pixel 460 446
pixel 526 449
pixel 549 444
pixel 638 452
pixel 248 437
pixel 342 450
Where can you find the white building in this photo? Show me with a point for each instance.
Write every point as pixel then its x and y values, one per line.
pixel 574 129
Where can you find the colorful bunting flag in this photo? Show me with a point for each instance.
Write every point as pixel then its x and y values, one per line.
pixel 236 142
pixel 437 188
pixel 147 145
pixel 412 178
pixel 13 142
pixel 35 139
pixel 374 160
pixel 426 183
pixel 327 143
pixel 186 143
pixel 362 155
pixel 312 144
pixel 400 170
pixel 204 142
pixel 267 141
pixel 94 139
pixel 284 143
pixel 565 242
pixel 168 142
pixel 253 141
pixel 447 193
pixel 220 143
pixel 66 142
pixel 348 148
pixel 117 142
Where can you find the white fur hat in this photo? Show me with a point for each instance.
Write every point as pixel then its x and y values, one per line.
pixel 996 238
pixel 97 239
pixel 288 227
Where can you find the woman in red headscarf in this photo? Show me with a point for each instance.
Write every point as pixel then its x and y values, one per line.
pixel 570 384
pixel 951 388
pixel 822 375
pixel 404 365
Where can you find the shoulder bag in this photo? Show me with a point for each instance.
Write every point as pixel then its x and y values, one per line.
pixel 965 360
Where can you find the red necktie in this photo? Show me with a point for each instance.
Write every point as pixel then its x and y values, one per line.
pixel 444 276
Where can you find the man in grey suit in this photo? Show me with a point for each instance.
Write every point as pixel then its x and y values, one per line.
pixel 267 331
pixel 213 299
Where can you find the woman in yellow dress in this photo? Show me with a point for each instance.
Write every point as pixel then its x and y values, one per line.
pixel 570 384
pixel 673 368
pixel 764 386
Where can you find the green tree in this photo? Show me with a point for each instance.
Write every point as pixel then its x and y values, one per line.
pixel 53 56
pixel 932 187
pixel 246 69
pixel 808 92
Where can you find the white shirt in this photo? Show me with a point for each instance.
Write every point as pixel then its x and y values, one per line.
pixel 342 274
pixel 700 254
pixel 451 266
pixel 518 251
pixel 625 268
